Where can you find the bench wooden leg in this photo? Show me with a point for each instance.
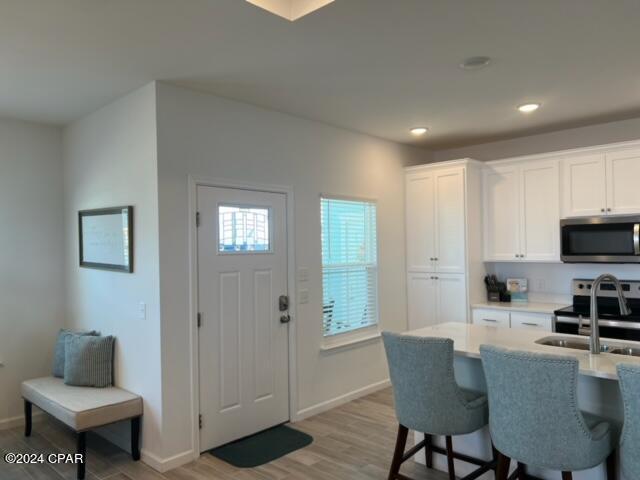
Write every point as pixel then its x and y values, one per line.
pixel 82 450
pixel 28 411
pixel 135 438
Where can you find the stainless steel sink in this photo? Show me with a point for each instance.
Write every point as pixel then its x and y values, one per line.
pixel 629 351
pixel 580 344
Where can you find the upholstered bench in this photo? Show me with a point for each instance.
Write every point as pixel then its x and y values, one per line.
pixel 83 409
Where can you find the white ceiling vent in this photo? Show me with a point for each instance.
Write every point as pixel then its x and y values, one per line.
pixel 291 9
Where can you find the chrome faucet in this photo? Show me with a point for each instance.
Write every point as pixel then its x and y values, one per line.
pixel 594 330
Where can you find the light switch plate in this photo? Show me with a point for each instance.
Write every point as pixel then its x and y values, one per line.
pixel 303 296
pixel 303 274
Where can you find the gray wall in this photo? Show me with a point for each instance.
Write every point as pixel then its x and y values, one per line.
pixel 547 142
pixel 31 257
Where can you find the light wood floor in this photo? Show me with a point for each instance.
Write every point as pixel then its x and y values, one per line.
pixel 354 441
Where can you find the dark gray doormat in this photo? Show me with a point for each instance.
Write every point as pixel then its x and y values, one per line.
pixel 263 447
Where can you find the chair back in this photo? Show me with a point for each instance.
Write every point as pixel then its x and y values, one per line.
pixel 427 397
pixel 533 411
pixel 630 443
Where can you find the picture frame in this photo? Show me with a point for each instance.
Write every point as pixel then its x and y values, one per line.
pixel 106 238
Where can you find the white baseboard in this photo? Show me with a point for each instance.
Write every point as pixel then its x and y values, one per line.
pixel 17 422
pixel 341 400
pixel 165 464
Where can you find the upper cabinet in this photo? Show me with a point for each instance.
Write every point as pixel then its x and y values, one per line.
pixel 623 173
pixel 436 220
pixel 522 212
pixel 601 184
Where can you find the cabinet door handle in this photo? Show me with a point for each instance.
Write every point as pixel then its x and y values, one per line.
pixel 602 210
pixel 489 320
pixel 531 324
pixel 608 209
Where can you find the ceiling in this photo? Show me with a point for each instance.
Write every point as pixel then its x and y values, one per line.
pixel 373 66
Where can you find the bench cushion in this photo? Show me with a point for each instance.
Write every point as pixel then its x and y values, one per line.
pixel 81 408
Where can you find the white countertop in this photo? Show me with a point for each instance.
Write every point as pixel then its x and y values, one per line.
pixel 467 339
pixel 530 307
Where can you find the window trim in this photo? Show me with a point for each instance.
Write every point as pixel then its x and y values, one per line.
pixel 367 333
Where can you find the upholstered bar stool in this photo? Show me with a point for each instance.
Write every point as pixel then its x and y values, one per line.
pixel 428 400
pixel 630 443
pixel 534 416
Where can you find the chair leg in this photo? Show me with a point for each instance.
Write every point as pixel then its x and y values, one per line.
pixel 611 466
pixel 82 450
pixel 522 473
pixel 28 413
pixel 502 471
pixel 135 438
pixel 401 442
pixel 567 476
pixel 428 452
pixel 450 465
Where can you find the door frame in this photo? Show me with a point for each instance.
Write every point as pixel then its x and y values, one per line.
pixel 194 183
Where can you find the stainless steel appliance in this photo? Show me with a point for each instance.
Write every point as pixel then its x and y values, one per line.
pixel 612 322
pixel 600 239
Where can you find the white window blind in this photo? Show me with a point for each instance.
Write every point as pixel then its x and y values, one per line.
pixel 349 265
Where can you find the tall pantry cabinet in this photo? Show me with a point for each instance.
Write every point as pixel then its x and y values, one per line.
pixel 444 240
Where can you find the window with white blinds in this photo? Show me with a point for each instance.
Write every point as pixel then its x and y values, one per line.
pixel 349 265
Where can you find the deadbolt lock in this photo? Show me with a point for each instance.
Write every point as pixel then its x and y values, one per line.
pixel 284 303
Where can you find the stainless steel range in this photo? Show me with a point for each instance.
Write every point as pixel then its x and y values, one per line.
pixel 612 323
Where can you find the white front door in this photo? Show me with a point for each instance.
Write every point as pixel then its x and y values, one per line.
pixel 243 342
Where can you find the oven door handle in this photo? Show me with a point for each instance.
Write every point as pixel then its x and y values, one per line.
pixel 636 238
pixel 602 323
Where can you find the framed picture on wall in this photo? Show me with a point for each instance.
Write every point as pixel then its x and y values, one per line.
pixel 106 238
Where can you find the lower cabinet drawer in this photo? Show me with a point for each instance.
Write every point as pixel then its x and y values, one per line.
pixel 537 321
pixel 496 318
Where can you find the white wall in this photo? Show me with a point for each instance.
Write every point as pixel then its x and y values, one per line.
pixel 31 264
pixel 547 142
pixel 552 282
pixel 110 160
pixel 203 135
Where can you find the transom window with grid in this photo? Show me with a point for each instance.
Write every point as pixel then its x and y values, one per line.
pixel 349 265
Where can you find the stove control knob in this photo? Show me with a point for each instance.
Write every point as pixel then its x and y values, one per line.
pixel 581 286
pixel 589 286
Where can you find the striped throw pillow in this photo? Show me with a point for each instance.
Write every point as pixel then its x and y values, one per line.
pixel 88 361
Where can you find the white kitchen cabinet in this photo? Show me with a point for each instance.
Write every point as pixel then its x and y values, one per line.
pixel 444 241
pixel 522 212
pixel 512 319
pixel 623 172
pixel 584 185
pixel 435 221
pixel 540 212
pixel 449 231
pixel 436 298
pixel 451 290
pixel 420 224
pixel 602 184
pixel 537 321
pixel 487 317
pixel 501 210
pixel 422 300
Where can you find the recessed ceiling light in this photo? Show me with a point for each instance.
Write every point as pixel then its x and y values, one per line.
pixel 291 9
pixel 419 131
pixel 528 107
pixel 475 63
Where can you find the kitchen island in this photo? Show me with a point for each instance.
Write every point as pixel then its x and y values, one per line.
pixel 598 390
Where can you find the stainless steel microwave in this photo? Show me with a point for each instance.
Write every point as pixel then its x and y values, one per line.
pixel 600 239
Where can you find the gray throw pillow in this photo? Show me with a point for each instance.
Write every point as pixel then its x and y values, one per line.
pixel 58 357
pixel 88 361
